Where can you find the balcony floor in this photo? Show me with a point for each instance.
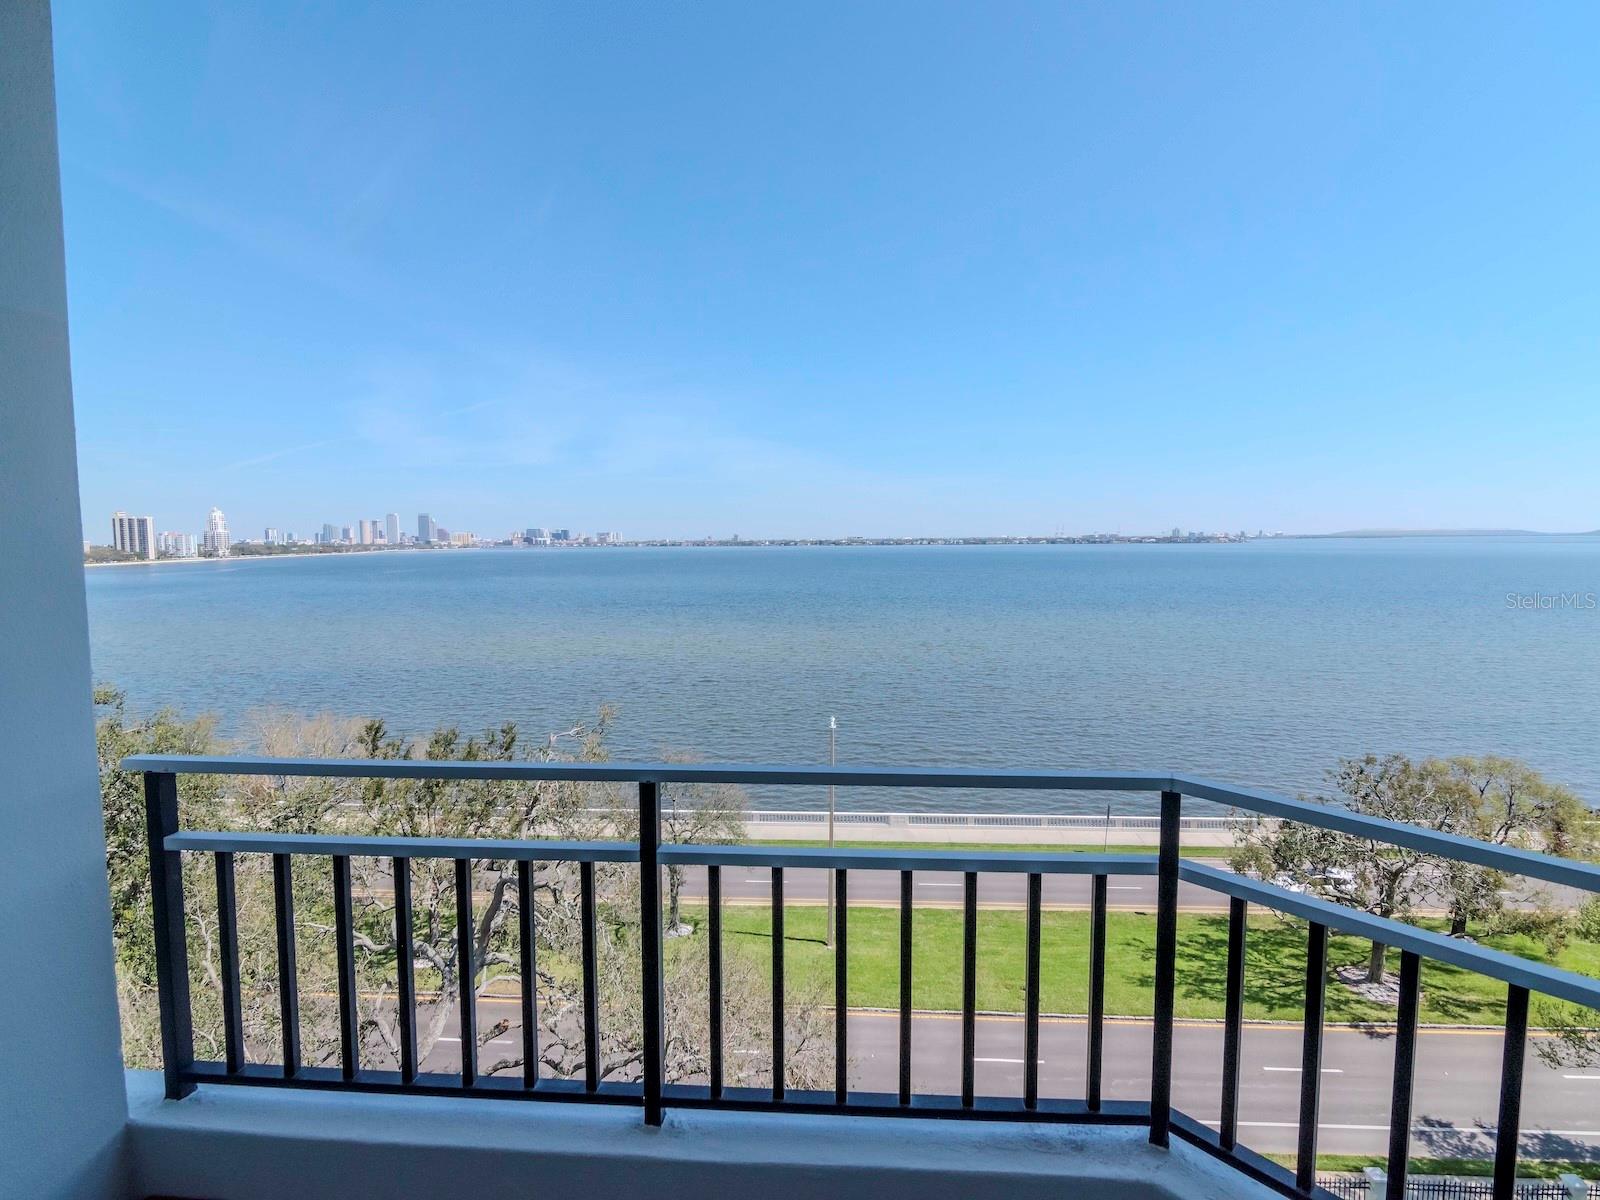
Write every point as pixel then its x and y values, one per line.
pixel 262 1144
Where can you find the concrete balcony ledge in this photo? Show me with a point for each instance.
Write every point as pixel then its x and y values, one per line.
pixel 236 1143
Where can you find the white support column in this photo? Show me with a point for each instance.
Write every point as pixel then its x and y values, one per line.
pixel 63 1103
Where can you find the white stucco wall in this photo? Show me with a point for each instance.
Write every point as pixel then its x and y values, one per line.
pixel 62 1102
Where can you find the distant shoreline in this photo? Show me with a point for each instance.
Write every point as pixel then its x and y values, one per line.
pixel 162 562
pixel 845 543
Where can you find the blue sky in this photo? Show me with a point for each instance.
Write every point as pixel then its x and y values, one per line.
pixel 792 269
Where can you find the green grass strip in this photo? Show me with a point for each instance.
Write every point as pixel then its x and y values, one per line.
pixel 1274 967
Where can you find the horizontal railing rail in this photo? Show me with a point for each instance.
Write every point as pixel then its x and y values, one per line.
pixel 820 858
pixel 1511 859
pixel 168 843
pixel 404 847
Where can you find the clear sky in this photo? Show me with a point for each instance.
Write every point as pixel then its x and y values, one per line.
pixel 821 269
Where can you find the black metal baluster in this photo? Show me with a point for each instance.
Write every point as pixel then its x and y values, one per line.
pixel 172 946
pixel 345 953
pixel 228 954
pixel 969 987
pixel 1305 1174
pixel 650 947
pixel 1233 1023
pixel 591 979
pixel 777 984
pixel 905 987
pixel 288 974
pixel 1097 994
pixel 528 964
pixel 1166 969
pixel 1405 1068
pixel 841 989
pixel 1030 1029
pixel 405 969
pixel 714 912
pixel 467 970
pixel 1509 1127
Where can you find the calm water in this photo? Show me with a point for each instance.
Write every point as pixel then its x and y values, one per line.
pixel 1259 664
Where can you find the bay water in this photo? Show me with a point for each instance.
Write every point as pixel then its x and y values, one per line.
pixel 1259 663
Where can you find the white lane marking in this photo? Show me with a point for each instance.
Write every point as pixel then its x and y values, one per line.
pixel 1581 1077
pixel 1125 887
pixel 1297 1070
pixel 446 1039
pixel 940 885
pixel 1018 1061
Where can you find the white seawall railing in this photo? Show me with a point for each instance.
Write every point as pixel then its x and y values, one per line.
pixel 1033 829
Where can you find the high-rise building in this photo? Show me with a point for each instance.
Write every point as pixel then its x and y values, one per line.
pixel 367 532
pixel 271 537
pixel 133 535
pixel 347 535
pixel 176 545
pixel 611 539
pixel 330 534
pixel 561 535
pixel 391 528
pixel 427 531
pixel 215 543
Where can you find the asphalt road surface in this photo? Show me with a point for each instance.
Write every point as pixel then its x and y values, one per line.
pixel 1133 893
pixel 1456 1098
pixel 935 888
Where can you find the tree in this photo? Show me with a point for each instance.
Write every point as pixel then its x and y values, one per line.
pixel 1384 880
pixel 1496 800
pixel 444 809
pixel 697 814
pixel 1505 802
pixel 117 735
pixel 1574 1040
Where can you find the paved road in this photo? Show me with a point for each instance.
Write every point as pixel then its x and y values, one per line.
pixel 933 888
pixel 1133 893
pixel 1457 1085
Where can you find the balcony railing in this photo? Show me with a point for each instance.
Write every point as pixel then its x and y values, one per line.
pixel 652 1093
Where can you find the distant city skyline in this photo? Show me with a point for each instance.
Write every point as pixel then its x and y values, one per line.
pixel 880 274
pixel 136 534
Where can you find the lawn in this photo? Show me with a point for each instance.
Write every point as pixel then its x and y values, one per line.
pixel 1274 969
pixel 1527 1168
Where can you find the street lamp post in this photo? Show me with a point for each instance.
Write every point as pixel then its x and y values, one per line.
pixel 833 759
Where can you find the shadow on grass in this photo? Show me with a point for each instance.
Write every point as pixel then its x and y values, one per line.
pixel 1275 976
pixel 1274 971
pixel 765 935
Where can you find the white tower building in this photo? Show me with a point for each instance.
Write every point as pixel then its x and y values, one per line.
pixel 214 543
pixel 133 535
